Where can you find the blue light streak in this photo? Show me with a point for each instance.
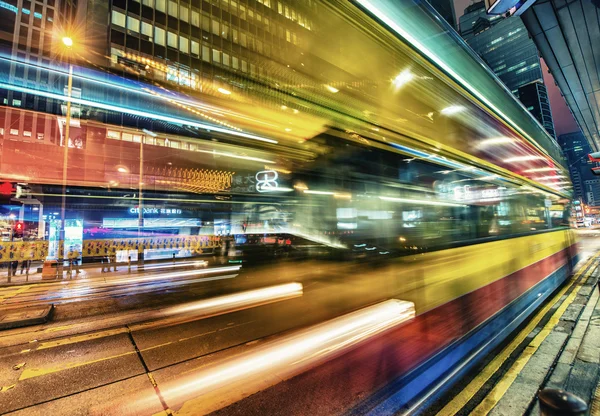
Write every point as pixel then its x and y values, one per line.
pixel 125 110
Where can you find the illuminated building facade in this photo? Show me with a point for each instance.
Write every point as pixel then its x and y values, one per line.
pixel 200 45
pixel 28 32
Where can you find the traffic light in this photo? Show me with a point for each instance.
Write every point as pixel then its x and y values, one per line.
pixel 19 230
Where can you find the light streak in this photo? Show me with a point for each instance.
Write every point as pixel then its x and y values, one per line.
pixel 200 263
pixel 547 178
pixel 240 300
pixel 175 275
pixel 541 170
pixel 283 358
pixel 131 111
pixel 420 201
pixel 496 141
pixel 308 191
pixel 403 78
pixel 453 109
pixel 368 4
pixel 523 158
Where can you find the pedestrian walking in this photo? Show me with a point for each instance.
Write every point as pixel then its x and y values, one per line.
pixel 113 259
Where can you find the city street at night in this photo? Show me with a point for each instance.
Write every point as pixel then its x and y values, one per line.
pixel 307 207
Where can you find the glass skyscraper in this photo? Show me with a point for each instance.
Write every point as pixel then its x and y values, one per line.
pixel 504 44
pixel 586 186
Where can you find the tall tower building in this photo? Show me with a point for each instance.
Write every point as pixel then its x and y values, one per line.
pixel 504 44
pixel 576 148
pixel 29 32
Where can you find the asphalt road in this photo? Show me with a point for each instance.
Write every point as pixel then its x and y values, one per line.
pixel 123 347
pixel 99 350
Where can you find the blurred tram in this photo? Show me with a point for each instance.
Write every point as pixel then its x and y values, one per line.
pixel 358 147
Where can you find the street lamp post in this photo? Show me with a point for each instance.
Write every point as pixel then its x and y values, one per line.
pixel 68 42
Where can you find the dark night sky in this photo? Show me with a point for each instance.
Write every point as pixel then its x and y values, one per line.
pixel 563 119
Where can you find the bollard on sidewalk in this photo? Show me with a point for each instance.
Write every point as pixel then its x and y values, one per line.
pixel 555 402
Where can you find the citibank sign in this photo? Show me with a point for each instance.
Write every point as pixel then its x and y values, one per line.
pixel 167 211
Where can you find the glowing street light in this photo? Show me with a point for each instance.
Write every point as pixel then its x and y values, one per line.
pixel 67 41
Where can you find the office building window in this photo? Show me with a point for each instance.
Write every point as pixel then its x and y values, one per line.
pixel 184 45
pixel 195 48
pixel 172 40
pixel 216 56
pixel 172 8
pixel 184 13
pixel 205 53
pixel 133 24
pixel 147 29
pixel 118 18
pixel 159 36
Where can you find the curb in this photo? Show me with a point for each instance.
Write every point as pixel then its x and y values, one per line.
pixel 16 318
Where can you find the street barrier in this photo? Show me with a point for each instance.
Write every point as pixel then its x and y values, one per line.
pixel 38 250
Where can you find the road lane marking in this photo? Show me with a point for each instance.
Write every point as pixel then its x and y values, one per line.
pixel 460 400
pixel 29 373
pixel 81 338
pixel 14 293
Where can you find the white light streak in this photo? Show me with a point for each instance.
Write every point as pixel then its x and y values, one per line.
pixel 496 141
pixel 541 170
pixel 523 158
pixel 420 201
pixel 283 358
pixel 239 300
pixel 403 78
pixel 453 109
pixel 547 178
pixel 308 191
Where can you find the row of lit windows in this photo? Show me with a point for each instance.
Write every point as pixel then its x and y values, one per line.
pixel 535 65
pixel 185 45
pixel 156 141
pixel 188 15
pixel 15 132
pixel 189 78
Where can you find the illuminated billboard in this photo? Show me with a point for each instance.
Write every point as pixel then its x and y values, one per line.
pixel 509 7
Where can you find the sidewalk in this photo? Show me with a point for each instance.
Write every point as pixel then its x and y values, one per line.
pixel 559 348
pixel 567 359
